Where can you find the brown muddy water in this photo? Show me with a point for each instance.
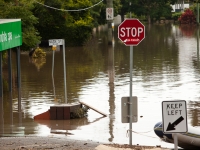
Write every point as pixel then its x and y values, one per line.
pixel 166 66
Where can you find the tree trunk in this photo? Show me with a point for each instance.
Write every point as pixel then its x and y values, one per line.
pixel 122 17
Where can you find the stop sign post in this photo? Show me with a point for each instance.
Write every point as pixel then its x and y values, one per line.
pixel 131 32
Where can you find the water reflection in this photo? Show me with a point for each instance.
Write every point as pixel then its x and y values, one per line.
pixel 1 98
pixel 1 118
pixel 165 68
pixel 38 62
pixel 10 89
pixel 188 30
pixel 194 112
pixel 111 76
pixel 63 126
pixel 198 62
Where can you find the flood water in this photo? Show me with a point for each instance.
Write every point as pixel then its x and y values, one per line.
pixel 166 66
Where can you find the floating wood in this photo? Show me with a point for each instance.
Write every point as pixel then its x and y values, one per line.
pixel 93 108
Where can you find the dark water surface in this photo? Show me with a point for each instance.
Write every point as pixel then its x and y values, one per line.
pixel 166 66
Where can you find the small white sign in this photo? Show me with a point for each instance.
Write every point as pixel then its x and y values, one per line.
pixel 109 13
pixel 55 42
pixel 174 116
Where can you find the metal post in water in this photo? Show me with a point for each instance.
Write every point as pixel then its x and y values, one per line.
pixel 19 79
pixel 10 85
pixel 54 93
pixel 197 13
pixel 64 64
pixel 198 47
pixel 1 98
pixel 10 71
pixel 1 77
pixel 19 86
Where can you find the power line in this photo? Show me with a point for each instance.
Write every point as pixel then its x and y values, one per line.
pixel 69 10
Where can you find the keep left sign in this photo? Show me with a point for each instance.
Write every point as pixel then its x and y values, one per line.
pixel 174 115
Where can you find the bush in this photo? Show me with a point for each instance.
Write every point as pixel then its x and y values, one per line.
pixel 176 15
pixel 38 53
pixel 79 113
pixel 188 17
pixel 77 35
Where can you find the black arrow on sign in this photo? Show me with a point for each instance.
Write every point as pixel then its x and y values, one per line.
pixel 172 126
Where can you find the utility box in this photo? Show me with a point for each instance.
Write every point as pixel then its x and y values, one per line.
pixel 125 109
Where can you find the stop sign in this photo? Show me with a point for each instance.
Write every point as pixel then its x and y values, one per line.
pixel 131 32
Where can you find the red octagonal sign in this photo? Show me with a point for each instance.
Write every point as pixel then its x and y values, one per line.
pixel 131 32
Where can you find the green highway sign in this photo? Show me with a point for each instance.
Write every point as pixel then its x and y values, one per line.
pixel 10 33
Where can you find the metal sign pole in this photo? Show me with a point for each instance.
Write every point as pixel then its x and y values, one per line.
pixel 130 99
pixel 175 142
pixel 64 64
pixel 19 79
pixel 130 40
pixel 56 42
pixel 54 92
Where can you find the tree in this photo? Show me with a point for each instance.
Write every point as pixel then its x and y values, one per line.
pixel 51 21
pixel 153 8
pixel 149 8
pixel 65 19
pixel 22 10
pixel 188 17
pixel 97 13
pixel 125 8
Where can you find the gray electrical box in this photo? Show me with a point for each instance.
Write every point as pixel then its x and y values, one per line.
pixel 125 103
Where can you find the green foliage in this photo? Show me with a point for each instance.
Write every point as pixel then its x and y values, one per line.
pixel 195 1
pixel 74 26
pixel 38 53
pixel 77 5
pixel 22 10
pixel 51 21
pixel 176 15
pixel 77 34
pixel 117 6
pixel 132 15
pixel 151 9
pixel 98 13
pixel 2 5
pixel 38 58
pixel 79 113
pixel 194 9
